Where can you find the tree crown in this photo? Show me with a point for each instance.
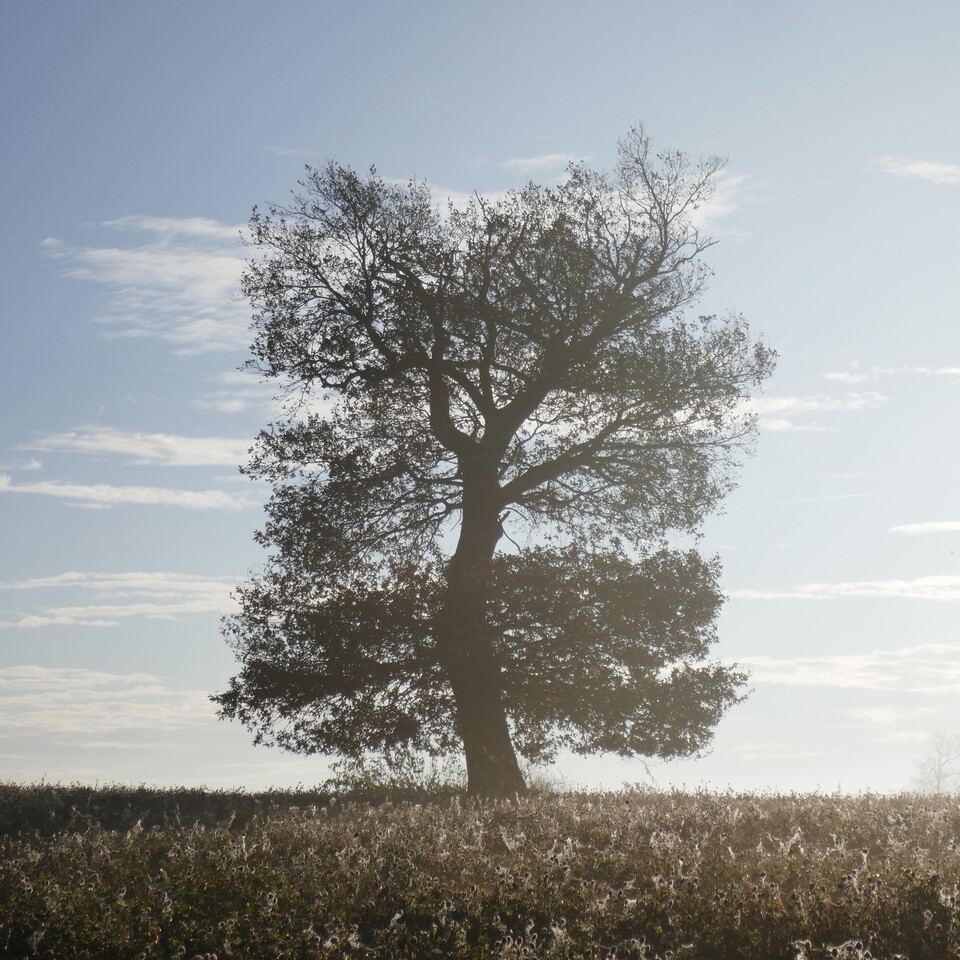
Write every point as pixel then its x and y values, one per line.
pixel 536 340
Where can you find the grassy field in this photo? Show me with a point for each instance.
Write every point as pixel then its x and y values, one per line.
pixel 137 873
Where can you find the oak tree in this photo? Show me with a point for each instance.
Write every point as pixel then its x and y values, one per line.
pixel 500 418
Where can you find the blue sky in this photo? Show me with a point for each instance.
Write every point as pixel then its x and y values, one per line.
pixel 136 140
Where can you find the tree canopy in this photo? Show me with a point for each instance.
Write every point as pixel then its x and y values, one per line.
pixel 498 417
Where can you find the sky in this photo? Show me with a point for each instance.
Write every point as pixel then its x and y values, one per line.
pixel 138 137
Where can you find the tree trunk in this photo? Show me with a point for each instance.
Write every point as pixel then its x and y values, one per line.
pixel 492 768
pixel 469 656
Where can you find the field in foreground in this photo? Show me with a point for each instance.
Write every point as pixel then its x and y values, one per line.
pixel 137 873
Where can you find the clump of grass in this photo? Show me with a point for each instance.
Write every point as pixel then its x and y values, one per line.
pixel 633 874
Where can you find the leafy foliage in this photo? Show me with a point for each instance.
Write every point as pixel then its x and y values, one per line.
pixel 604 653
pixel 356 669
pixel 627 875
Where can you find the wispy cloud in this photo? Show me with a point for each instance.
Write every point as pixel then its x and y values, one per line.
pixel 176 279
pixel 731 192
pixel 238 391
pixel 934 371
pixel 92 726
pixel 932 170
pixel 850 377
pixel 930 669
pixel 829 496
pixel 941 589
pixel 105 495
pixel 168 228
pixel 542 163
pixel 30 465
pixel 785 425
pixel 118 596
pixel 932 526
pixel 147 448
pixel 781 413
pixel 55 700
pixel 129 583
pixel 817 403
pixel 856 374
pixel 109 614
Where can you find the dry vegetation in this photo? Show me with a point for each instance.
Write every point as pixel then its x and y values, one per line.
pixel 135 873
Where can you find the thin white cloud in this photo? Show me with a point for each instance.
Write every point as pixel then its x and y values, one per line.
pixel 63 700
pixel 934 371
pixel 227 401
pixel 855 374
pixel 176 280
pixel 148 448
pixel 940 589
pixel 817 403
pixel 237 392
pixel 928 669
pixel 541 163
pixel 932 170
pixel 160 595
pixel 56 679
pixel 829 496
pixel 166 228
pixel 30 465
pixel 130 583
pixel 849 377
pixel 933 526
pixel 780 413
pixel 108 615
pixel 105 495
pixel 783 425
pixel 731 192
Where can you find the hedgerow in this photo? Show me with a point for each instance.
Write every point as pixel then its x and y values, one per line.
pixel 627 875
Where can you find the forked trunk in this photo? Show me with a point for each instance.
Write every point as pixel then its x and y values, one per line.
pixel 471 663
